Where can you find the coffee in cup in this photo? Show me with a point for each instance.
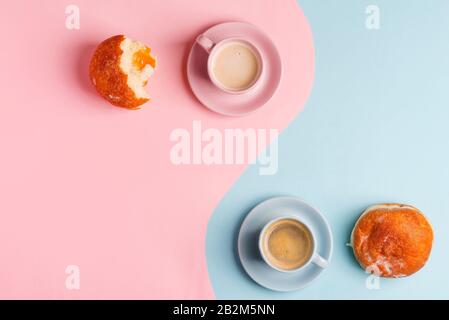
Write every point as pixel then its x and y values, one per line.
pixel 234 65
pixel 287 244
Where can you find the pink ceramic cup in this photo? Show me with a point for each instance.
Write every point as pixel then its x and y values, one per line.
pixel 213 49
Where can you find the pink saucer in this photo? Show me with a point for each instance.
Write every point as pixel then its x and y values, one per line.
pixel 234 104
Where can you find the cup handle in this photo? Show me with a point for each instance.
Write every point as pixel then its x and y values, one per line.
pixel 205 42
pixel 320 261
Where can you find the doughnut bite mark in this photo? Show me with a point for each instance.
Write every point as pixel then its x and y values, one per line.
pixel 392 240
pixel 120 69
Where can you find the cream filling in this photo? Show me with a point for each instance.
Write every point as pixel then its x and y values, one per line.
pixel 136 78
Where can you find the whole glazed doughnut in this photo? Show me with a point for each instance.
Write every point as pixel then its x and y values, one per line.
pixel 392 240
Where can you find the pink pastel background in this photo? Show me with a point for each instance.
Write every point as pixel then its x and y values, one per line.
pixel 92 185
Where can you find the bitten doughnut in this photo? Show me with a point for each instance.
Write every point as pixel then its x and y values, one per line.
pixel 120 69
pixel 392 240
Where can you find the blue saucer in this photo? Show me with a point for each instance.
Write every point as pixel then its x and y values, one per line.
pixel 248 250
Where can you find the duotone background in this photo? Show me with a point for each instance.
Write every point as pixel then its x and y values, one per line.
pixel 375 129
pixel 83 183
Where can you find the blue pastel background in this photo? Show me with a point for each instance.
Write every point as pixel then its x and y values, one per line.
pixel 375 129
